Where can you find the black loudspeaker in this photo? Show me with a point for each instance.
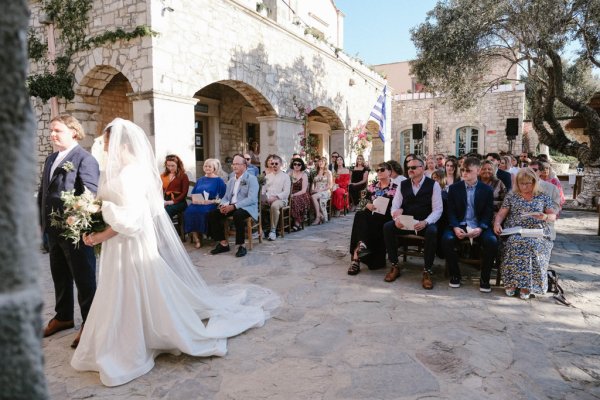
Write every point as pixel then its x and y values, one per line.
pixel 512 128
pixel 417 131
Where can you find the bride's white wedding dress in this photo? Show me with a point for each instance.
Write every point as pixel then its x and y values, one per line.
pixel 150 299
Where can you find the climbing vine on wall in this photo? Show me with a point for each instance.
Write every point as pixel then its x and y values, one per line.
pixel 71 17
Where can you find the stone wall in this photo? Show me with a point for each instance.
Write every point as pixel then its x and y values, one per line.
pixel 488 116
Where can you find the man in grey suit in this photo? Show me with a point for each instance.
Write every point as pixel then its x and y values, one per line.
pixel 70 168
pixel 241 202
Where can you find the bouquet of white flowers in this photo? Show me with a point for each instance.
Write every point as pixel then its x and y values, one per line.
pixel 81 214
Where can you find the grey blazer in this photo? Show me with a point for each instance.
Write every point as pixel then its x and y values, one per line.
pixel 247 197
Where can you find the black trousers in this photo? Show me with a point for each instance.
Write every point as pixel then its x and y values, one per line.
pixel 216 224
pixel 69 264
pixel 391 243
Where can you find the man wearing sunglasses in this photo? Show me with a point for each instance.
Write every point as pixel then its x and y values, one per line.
pixel 470 209
pixel 440 161
pixel 276 192
pixel 334 157
pixel 421 198
pixel 252 169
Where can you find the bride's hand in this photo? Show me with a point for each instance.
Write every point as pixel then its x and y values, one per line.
pixel 89 239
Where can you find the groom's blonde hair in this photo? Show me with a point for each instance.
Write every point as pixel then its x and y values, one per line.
pixel 72 123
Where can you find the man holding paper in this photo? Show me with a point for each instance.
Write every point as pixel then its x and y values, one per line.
pixel 416 207
pixel 470 211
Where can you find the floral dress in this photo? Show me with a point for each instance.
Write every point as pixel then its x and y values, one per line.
pixel 300 203
pixel 525 259
pixel 368 226
pixel 320 185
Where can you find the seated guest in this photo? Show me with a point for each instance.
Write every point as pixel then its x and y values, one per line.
pixel 366 241
pixel 440 177
pixel 275 192
pixel 241 202
pixel 470 210
pixel 551 191
pixel 440 160
pixel 175 184
pixel 430 166
pixel 397 172
pixel 300 196
pixel 195 221
pixel 543 170
pixel 340 191
pixel 487 175
pixel 421 198
pixel 358 181
pixel 321 190
pixel 525 259
pixel 253 169
pixel 408 157
pixel 504 176
pixel 451 171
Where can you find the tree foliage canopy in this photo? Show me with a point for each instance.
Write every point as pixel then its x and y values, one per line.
pixel 462 39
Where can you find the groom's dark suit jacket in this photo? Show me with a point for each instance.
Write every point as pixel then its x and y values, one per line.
pixel 68 263
pixel 85 174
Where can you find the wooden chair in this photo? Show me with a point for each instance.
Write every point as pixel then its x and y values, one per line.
pixel 285 217
pixel 251 225
pixel 178 219
pixel 404 241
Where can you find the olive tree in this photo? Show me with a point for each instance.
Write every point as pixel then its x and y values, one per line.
pixel 461 39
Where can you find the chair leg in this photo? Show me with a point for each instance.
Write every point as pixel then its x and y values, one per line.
pixel 249 232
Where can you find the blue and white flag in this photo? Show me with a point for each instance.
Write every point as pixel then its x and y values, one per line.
pixel 378 114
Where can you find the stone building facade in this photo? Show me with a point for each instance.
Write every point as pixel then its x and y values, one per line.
pixel 481 129
pixel 219 75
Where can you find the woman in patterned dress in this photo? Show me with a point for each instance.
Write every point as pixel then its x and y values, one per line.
pixel 525 259
pixel 366 241
pixel 300 197
pixel 321 190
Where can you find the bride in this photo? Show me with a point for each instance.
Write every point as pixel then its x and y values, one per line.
pixel 150 298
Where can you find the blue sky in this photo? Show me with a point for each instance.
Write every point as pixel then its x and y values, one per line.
pixel 379 30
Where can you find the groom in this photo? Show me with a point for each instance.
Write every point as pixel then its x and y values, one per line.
pixel 71 167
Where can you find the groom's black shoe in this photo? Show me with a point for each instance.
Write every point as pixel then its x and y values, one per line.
pixel 56 326
pixel 219 249
pixel 241 251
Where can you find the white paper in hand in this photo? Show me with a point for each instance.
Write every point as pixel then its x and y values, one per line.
pixel 469 230
pixel 197 198
pixel 206 195
pixel 380 205
pixel 407 221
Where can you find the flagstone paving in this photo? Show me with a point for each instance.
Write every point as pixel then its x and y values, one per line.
pixel 342 337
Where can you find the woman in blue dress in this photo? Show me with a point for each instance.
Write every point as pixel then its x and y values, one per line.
pixel 195 221
pixel 525 259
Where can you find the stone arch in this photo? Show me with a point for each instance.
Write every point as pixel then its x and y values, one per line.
pixel 101 96
pixel 256 99
pixel 329 116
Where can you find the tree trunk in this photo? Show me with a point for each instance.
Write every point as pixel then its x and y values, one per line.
pixel 21 362
pixel 590 193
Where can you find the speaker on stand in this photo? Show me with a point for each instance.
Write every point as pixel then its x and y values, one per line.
pixel 512 131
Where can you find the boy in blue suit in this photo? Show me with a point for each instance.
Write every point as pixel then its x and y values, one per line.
pixel 470 211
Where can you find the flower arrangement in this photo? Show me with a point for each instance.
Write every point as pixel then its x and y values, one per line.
pixel 308 142
pixel 360 139
pixel 81 214
pixel 68 166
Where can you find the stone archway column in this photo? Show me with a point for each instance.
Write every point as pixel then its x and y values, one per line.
pixel 279 136
pixel 338 141
pixel 168 121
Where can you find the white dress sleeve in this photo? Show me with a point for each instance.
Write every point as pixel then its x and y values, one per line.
pixel 126 206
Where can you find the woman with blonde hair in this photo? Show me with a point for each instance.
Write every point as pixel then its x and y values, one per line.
pixel 524 258
pixel 209 189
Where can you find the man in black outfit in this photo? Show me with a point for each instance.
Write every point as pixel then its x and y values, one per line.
pixel 504 176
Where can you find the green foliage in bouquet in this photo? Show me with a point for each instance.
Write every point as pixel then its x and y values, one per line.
pixel 81 214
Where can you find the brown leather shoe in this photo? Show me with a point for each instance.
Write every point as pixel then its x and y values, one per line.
pixel 56 326
pixel 427 282
pixel 393 274
pixel 75 342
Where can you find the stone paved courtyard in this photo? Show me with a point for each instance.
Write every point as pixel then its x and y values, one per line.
pixel 343 337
